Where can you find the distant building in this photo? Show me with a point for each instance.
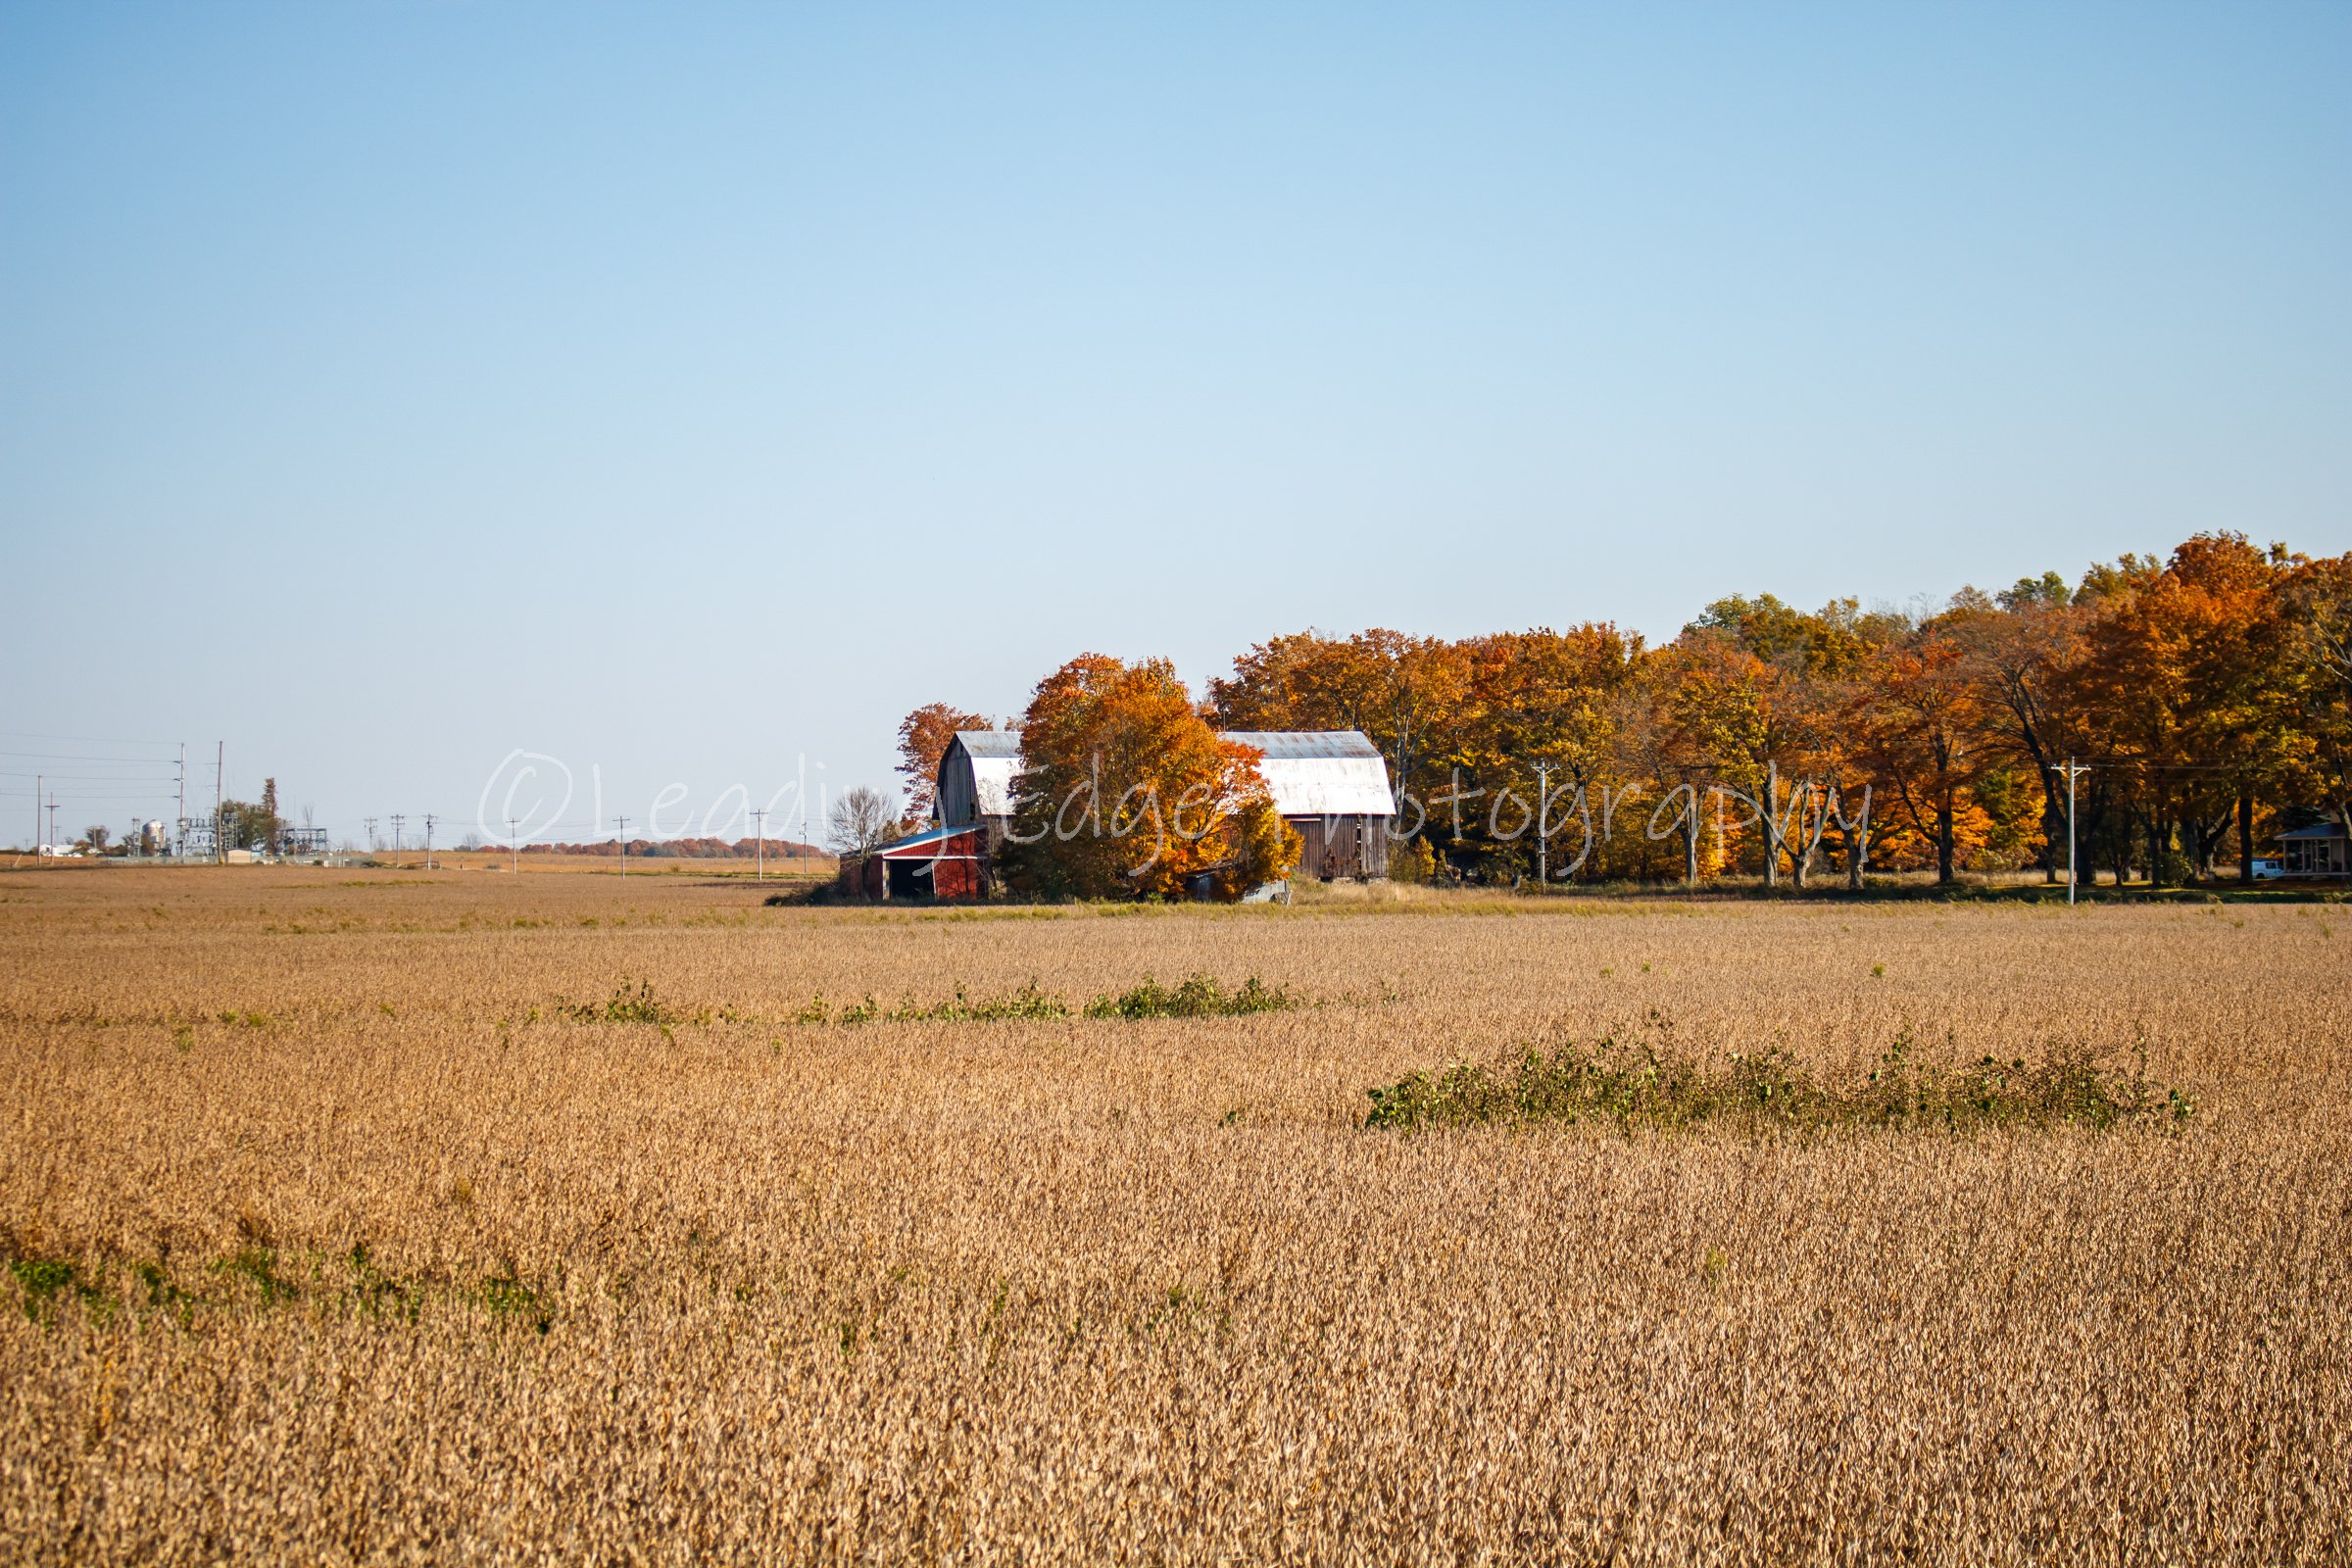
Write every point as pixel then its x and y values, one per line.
pixel 944 863
pixel 2319 850
pixel 1331 785
pixel 973 787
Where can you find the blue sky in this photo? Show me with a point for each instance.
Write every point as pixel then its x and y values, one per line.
pixel 685 393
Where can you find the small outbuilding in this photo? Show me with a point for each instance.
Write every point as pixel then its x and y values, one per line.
pixel 944 863
pixel 2319 850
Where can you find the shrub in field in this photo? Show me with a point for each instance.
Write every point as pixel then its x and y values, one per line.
pixel 1197 996
pixel 1658 1087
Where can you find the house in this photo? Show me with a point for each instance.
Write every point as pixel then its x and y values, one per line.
pixel 1331 785
pixel 2319 850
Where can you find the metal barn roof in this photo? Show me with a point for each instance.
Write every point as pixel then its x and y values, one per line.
pixel 934 844
pixel 1297 744
pixel 996 756
pixel 1310 773
pixel 2316 830
pixel 1322 772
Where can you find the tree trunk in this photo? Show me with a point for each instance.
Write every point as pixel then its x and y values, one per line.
pixel 1857 841
pixel 2246 839
pixel 1945 835
pixel 2156 848
pixel 1691 842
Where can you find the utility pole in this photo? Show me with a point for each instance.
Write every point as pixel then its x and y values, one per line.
pixel 179 823
pixel 2072 770
pixel 397 819
pixel 622 823
pixel 220 769
pixel 37 840
pixel 1543 825
pixel 369 823
pixel 513 848
pixel 52 814
pixel 428 840
pixel 759 844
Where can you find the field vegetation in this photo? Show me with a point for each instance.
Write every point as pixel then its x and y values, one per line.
pixel 362 1216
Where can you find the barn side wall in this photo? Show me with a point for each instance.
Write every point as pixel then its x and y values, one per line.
pixel 1356 846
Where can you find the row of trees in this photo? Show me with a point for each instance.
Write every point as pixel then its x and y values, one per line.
pixel 2208 696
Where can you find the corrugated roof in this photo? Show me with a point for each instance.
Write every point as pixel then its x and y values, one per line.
pixel 1290 744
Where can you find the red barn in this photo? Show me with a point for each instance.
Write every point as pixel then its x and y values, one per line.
pixel 940 863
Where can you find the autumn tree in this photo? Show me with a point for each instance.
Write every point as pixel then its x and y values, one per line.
pixel 2315 613
pixel 1405 693
pixel 1125 791
pixel 1537 731
pixel 2186 682
pixel 923 737
pixel 1924 718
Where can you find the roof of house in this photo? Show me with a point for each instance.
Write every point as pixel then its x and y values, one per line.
pixel 1310 773
pixel 2316 830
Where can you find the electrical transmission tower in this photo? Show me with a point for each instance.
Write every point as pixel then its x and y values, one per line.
pixel 428 840
pixel 397 819
pixel 759 844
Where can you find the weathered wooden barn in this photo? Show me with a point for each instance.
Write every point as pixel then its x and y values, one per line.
pixel 973 787
pixel 1331 785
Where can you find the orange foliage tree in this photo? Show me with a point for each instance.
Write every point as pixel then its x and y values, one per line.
pixel 923 737
pixel 1125 791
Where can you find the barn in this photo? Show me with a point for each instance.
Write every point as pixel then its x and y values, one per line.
pixel 1331 785
pixel 944 863
pixel 974 782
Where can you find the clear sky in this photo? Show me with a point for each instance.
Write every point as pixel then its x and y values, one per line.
pixel 682 392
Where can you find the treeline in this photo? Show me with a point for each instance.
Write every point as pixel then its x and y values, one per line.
pixel 2209 696
pixel 2204 702
pixel 685 849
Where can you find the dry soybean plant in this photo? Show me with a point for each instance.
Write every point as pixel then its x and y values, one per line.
pixel 476 1219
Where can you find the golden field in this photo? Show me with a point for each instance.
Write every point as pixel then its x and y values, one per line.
pixel 337 1233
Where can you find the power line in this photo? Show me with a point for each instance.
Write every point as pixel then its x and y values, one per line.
pixel 90 740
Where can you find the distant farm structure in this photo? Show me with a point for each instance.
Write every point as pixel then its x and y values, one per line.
pixel 1331 785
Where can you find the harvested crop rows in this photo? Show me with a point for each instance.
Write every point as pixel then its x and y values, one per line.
pixel 478 1218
